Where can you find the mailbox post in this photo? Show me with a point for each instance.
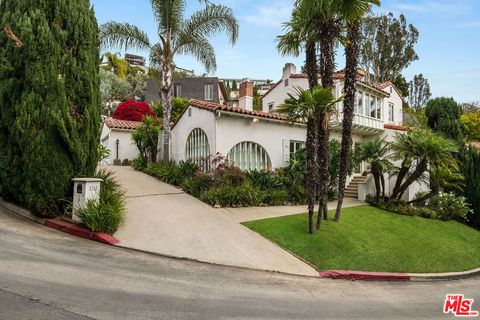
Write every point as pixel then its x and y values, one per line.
pixel 84 190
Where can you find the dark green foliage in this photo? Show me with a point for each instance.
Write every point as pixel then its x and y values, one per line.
pixel 178 107
pixel 401 83
pixel 49 100
pixel 234 196
pixel 443 116
pixel 107 214
pixel 470 164
pixel 419 92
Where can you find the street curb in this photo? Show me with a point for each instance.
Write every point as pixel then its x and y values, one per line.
pixel 74 229
pixel 364 275
pixel 59 224
pixel 444 276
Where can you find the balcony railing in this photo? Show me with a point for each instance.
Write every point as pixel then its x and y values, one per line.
pixel 361 123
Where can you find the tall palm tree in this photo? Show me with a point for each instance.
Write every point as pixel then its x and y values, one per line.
pixel 420 150
pixel 177 36
pixel 301 107
pixel 376 152
pixel 297 37
pixel 116 65
pixel 353 11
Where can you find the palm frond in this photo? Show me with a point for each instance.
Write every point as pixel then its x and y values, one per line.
pixel 123 36
pixel 213 19
pixel 202 50
pixel 156 56
pixel 169 15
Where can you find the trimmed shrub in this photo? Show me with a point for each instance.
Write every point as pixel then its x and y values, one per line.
pixel 133 110
pixel 234 196
pixel 106 214
pixel 49 100
pixel 471 170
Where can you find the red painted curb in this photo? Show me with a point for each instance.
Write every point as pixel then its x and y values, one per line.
pixel 74 229
pixel 364 275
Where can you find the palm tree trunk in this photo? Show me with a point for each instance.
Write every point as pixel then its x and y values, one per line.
pixel 414 176
pixel 404 168
pixel 166 98
pixel 328 32
pixel 376 178
pixel 311 147
pixel 351 54
pixel 382 180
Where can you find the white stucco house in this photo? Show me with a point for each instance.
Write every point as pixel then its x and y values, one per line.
pixel 264 140
pixel 116 136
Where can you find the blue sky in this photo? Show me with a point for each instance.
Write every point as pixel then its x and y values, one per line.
pixel 449 44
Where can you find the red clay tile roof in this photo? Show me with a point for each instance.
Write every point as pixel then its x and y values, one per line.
pixel 395 127
pixel 386 84
pixel 121 124
pixel 215 106
pixel 271 88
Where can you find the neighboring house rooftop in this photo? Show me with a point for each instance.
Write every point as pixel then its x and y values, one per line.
pixel 384 85
pixel 121 124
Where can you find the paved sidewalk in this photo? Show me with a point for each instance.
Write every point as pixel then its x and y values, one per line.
pixel 257 213
pixel 163 219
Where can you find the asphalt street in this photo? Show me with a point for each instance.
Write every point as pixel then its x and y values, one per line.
pixel 45 274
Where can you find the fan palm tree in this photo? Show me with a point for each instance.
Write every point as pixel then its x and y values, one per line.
pixel 116 65
pixel 177 36
pixel 353 12
pixel 300 108
pixel 420 150
pixel 440 179
pixel 376 152
pixel 296 38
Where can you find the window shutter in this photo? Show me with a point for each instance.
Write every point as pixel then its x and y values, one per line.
pixel 286 151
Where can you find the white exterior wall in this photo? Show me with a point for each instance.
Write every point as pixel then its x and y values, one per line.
pixel 127 148
pixel 192 118
pixel 397 101
pixel 280 92
pixel 269 134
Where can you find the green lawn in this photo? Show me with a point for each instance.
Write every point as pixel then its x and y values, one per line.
pixel 370 239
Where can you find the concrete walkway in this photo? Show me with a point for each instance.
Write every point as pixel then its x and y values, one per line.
pixel 163 219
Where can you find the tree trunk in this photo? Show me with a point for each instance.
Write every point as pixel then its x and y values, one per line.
pixel 376 178
pixel 166 98
pixel 351 54
pixel 416 174
pixel 404 168
pixel 328 32
pixel 311 146
pixel 382 180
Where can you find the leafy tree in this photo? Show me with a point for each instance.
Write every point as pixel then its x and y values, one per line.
pixel 234 85
pixel 419 151
pixel 377 154
pixel 470 164
pixel 471 125
pixel 112 89
pixel 146 138
pixel 419 92
pixel 257 99
pixel 443 116
pixel 178 107
pixel 303 105
pixel 401 83
pixel 353 12
pixel 177 36
pixel 116 65
pixel 49 98
pixel 387 46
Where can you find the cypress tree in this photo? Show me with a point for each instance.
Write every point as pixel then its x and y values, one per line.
pixel 471 171
pixel 49 100
pixel 444 116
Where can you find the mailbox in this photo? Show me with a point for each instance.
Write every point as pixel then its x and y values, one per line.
pixel 84 190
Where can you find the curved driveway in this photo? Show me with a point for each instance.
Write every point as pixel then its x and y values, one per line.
pixel 45 274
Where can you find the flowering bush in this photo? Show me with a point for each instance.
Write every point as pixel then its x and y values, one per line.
pixel 133 111
pixel 448 206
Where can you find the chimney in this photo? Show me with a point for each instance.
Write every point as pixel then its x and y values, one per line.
pixel 245 99
pixel 288 69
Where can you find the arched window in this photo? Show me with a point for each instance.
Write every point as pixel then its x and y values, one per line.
pixel 249 156
pixel 198 149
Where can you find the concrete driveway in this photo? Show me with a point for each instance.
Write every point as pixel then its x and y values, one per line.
pixel 163 219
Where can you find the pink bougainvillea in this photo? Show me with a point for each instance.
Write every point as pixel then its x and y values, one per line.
pixel 132 110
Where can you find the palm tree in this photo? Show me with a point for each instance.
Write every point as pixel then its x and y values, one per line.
pixel 439 180
pixel 296 38
pixel 177 36
pixel 116 65
pixel 301 108
pixel 353 12
pixel 420 150
pixel 376 152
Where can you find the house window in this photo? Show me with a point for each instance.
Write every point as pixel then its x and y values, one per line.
pixel 390 112
pixel 209 91
pixel 270 107
pixel 249 155
pixel 197 148
pixel 379 108
pixel 367 105
pixel 286 82
pixel 295 146
pixel 359 103
pixel 373 111
pixel 177 90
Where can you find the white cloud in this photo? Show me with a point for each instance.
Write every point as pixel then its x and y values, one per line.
pixel 271 14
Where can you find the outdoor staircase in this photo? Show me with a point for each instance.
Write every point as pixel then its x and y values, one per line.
pixel 351 191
